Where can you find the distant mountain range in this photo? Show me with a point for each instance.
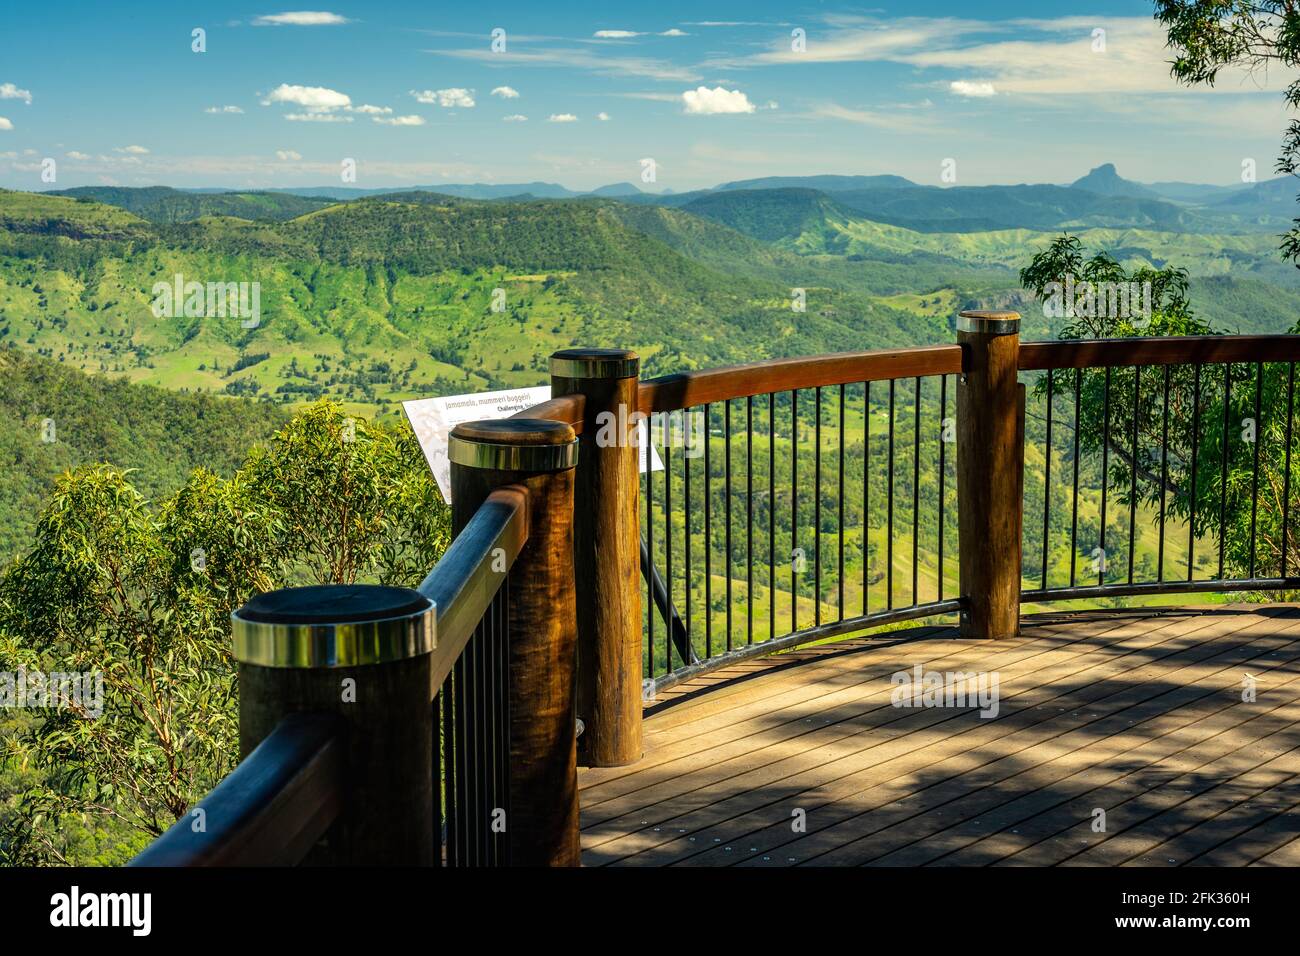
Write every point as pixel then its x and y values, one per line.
pixel 1102 198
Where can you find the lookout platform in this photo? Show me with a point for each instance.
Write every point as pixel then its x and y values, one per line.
pixel 803 759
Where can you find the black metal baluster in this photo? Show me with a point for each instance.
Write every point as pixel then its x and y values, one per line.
pixel 771 514
pixel 491 757
pixel 817 509
pixel 1254 478
pixel 889 478
pixel 450 768
pixel 708 532
pixel 943 425
pixel 1105 474
pixel 650 553
pixel 794 511
pixel 1164 475
pixel 500 617
pixel 1286 469
pixel 1223 473
pixel 482 748
pixel 503 595
pixel 749 519
pixel 866 495
pixel 726 426
pixel 1133 487
pixel 688 451
pixel 473 732
pixel 665 422
pixel 464 815
pixel 840 500
pixel 1074 512
pixel 1196 441
pixel 1047 477
pixel 916 492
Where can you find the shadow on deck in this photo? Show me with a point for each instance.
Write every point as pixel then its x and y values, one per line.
pixel 802 758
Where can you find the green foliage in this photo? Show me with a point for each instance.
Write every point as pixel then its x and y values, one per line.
pixel 1182 438
pixel 157 435
pixel 143 595
pixel 1208 36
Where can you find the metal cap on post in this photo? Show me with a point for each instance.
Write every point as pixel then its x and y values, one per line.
pixel 606 551
pixel 990 472
pixel 333 625
pixel 360 652
pixel 538 456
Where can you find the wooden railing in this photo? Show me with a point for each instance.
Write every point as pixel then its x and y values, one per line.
pixel 446 725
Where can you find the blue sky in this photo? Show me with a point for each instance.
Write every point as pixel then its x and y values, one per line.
pixel 582 93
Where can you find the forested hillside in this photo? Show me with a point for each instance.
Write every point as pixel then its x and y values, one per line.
pixel 56 418
pixel 163 204
pixel 374 301
pixel 383 298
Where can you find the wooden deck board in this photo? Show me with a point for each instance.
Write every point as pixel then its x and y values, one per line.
pixel 1137 712
pixel 899 721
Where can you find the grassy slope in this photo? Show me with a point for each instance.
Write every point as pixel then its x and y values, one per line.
pixel 379 301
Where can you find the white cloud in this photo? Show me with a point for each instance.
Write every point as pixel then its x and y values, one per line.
pixel 506 92
pixel 312 97
pixel 5 124
pixel 562 118
pixel 400 120
pixel 287 155
pixel 317 118
pixel 581 59
pixel 704 101
pixel 515 118
pixel 971 88
pixel 10 92
pixel 80 157
pixel 602 116
pixel 371 110
pixel 449 98
pixel 223 109
pixel 132 150
pixel 1025 57
pixel 910 122
pixel 300 18
pixel 628 34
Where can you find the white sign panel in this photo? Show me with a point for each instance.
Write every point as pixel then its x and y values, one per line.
pixel 432 420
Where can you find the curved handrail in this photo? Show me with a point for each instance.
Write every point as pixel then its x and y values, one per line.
pixel 464 581
pixel 274 806
pixel 569 409
pixel 688 389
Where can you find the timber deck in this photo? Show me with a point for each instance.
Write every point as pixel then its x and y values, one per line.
pixel 1137 713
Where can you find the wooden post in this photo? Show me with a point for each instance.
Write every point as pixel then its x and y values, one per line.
pixel 990 473
pixel 361 652
pixel 606 552
pixel 539 455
